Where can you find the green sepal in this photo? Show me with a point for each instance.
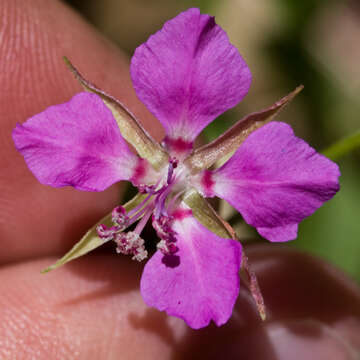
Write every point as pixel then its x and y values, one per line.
pixel 205 214
pixel 130 128
pixel 90 241
pixel 208 217
pixel 207 155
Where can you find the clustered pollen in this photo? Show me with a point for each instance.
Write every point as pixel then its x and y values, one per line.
pixel 156 203
pixel 164 231
pixel 119 216
pixel 131 243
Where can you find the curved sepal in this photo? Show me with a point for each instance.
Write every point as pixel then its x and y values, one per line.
pixel 130 128
pixel 90 241
pixel 253 285
pixel 205 214
pixel 205 156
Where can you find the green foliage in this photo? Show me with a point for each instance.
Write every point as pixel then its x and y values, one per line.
pixel 333 231
pixel 343 147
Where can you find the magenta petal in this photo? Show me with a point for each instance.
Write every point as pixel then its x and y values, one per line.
pixel 198 284
pixel 279 233
pixel 188 73
pixel 78 144
pixel 274 180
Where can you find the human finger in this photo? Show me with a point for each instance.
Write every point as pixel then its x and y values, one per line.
pixel 93 308
pixel 35 219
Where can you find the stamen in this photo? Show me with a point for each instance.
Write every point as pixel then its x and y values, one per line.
pixel 167 248
pixel 173 202
pixel 122 220
pixel 141 224
pixel 105 233
pixel 133 211
pixel 131 243
pixel 172 165
pixel 147 189
pixel 160 202
pixel 119 216
pixel 164 231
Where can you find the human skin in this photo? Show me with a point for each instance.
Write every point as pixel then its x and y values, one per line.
pixel 92 308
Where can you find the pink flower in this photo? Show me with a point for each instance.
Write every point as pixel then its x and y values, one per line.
pixel 186 74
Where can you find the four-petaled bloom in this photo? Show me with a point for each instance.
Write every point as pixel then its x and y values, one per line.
pixel 186 74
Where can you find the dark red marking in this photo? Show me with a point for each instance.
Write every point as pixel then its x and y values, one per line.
pixel 140 171
pixel 207 182
pixel 181 214
pixel 178 145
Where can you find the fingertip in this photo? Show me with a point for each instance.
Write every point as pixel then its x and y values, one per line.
pixel 36 220
pixel 91 309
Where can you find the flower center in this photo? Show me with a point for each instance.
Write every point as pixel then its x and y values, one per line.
pixel 161 201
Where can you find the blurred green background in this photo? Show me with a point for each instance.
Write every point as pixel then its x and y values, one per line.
pixel 285 43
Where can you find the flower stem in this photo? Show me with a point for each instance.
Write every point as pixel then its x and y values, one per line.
pixel 343 147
